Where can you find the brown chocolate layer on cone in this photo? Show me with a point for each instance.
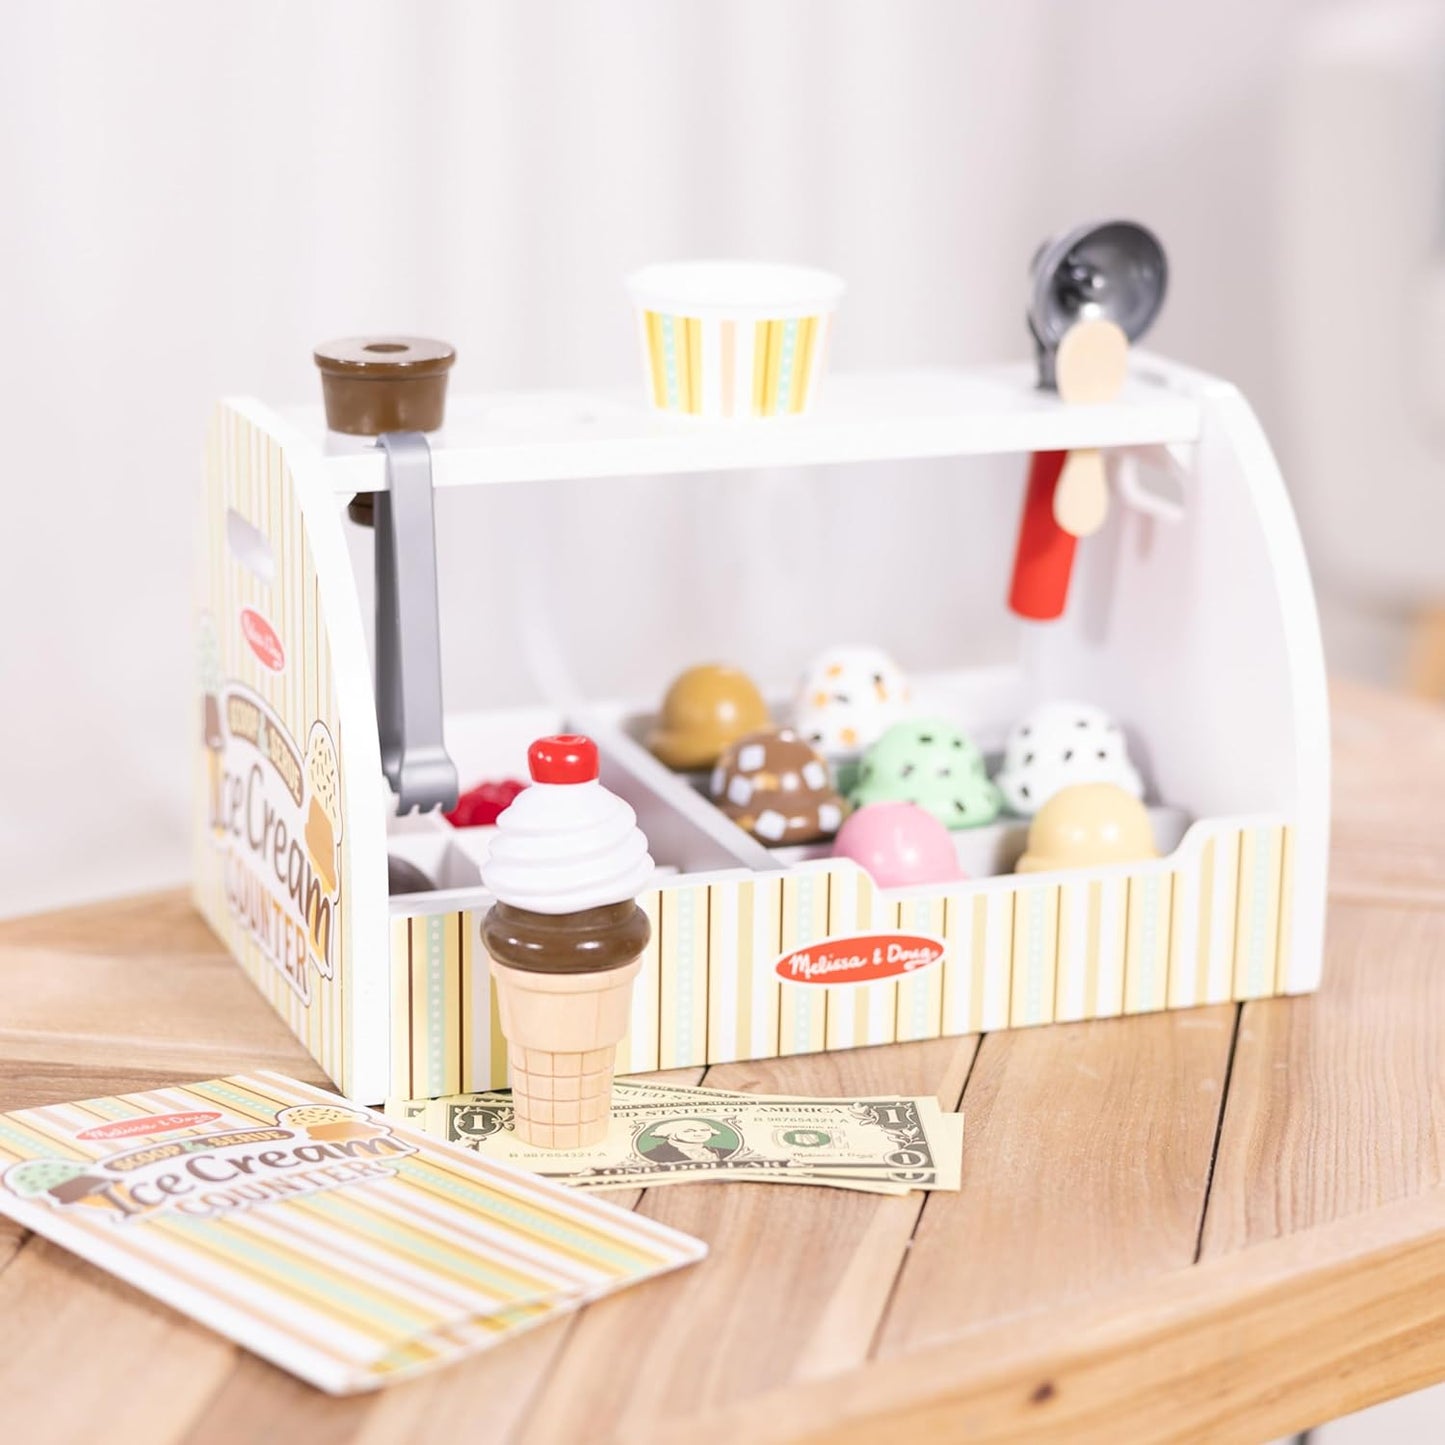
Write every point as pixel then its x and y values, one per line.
pixel 592 940
pixel 78 1188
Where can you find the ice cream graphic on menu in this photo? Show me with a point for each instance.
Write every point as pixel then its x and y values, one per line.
pixel 63 1181
pixel 566 939
pixel 323 817
pixel 280 835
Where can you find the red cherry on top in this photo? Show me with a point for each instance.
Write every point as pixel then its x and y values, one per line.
pixel 566 758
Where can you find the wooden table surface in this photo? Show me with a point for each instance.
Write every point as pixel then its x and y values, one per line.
pixel 1221 1223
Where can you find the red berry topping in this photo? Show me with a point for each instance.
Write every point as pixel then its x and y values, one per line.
pixel 480 807
pixel 567 758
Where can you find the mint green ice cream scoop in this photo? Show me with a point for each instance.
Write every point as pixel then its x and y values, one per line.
pixel 931 763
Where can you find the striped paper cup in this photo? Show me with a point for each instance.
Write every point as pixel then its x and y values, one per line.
pixel 733 339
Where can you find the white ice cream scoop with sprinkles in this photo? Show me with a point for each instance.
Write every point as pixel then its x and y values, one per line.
pixel 1058 745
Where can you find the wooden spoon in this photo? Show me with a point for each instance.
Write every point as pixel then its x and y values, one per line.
pixel 1092 359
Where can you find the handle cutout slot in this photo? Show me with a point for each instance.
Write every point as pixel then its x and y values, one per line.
pixel 249 546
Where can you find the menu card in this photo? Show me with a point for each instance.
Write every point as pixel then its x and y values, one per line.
pixel 343 1246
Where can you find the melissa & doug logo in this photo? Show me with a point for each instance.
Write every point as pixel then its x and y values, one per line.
pixel 860 958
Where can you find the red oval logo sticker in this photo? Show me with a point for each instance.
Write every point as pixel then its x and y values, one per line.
pixel 862 958
pixel 261 638
pixel 147 1125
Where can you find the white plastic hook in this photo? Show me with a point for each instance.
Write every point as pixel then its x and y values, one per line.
pixel 1170 464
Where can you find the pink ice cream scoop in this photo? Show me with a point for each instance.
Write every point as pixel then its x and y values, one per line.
pixel 898 844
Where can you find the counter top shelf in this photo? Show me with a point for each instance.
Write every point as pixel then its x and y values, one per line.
pixel 886 416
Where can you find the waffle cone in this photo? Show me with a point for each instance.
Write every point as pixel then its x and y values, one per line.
pixel 562 1032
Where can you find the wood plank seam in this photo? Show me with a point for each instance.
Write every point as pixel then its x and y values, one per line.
pixel 1218 1130
pixel 882 1320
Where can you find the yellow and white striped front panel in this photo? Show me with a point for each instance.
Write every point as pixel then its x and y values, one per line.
pixel 1210 923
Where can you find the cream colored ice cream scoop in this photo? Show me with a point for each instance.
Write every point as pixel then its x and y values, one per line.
pixel 1087 826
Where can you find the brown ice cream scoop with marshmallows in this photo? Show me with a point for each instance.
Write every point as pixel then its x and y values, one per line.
pixel 778 788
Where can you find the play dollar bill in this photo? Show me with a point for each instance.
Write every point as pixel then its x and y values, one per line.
pixel 668 1137
pixel 413 1111
pixel 408 1111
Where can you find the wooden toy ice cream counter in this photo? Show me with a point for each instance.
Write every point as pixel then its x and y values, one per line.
pixel 1186 614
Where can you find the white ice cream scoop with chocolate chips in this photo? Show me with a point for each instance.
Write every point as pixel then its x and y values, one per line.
pixel 848 698
pixel 1058 745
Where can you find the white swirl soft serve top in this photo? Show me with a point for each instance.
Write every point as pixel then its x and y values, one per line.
pixel 560 848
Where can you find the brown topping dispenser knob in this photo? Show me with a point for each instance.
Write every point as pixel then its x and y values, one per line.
pixel 376 384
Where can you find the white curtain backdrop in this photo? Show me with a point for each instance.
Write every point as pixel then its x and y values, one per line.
pixel 191 194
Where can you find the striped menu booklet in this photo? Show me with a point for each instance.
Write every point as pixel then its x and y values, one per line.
pixel 340 1245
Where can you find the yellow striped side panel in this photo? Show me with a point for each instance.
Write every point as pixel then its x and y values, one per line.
pixel 1256 936
pixel 246 471
pixel 640 1050
pixel 1218 906
pixel 402 1082
pixel 1146 948
pixel 1108 942
pixel 803 1007
pixel 764 1006
pixel 875 1005
pixel 684 1000
pixel 722 982
pixel 1035 941
pixel 844 1003
pixel 994 955
pixel 955 1002
pixel 1286 910
pixel 1078 930
pixel 920 995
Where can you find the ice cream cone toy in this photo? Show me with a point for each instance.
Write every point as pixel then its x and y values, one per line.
pixel 566 939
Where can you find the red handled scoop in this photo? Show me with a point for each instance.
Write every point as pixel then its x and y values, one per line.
pixel 1095 289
